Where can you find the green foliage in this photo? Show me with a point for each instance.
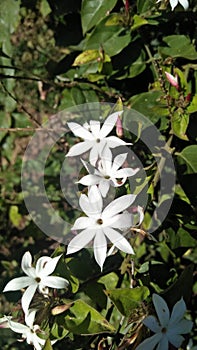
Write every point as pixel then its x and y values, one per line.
pixel 58 54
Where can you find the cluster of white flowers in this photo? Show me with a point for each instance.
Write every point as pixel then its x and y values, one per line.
pixel 102 223
pixel 38 278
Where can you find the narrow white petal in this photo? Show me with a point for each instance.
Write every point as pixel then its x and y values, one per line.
pixel 80 131
pixel 106 160
pixel 94 153
pixel 182 327
pixel 18 283
pixel 79 148
pixel 28 296
pixel 88 166
pixel 175 339
pixel 55 282
pixel 36 341
pixel 30 317
pixel 161 309
pixel 173 4
pixel 89 180
pixel 100 248
pixel 95 128
pixel 163 344
pixel 82 223
pixel 126 172
pixel 119 160
pixel 104 186
pixel 96 201
pixel 50 266
pixel 26 264
pixel 118 240
pixel 118 205
pixel 184 3
pixel 80 241
pixel 18 327
pixel 109 124
pixel 178 312
pixel 120 221
pixel 150 343
pixel 152 323
pixel 114 141
pixel 41 263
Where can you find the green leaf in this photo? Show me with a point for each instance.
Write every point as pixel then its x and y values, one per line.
pixel 188 156
pixel 180 123
pixel 178 46
pixel 128 299
pixel 138 66
pixel 14 216
pixel 45 8
pixel 138 22
pixel 93 11
pixel 193 105
pixel 109 35
pixel 182 239
pixel 86 57
pixel 47 345
pixel 83 319
pixel 145 5
pixel 151 105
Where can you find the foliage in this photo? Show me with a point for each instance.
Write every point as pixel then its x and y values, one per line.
pixel 59 54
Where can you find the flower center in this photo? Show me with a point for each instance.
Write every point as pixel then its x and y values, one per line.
pixel 99 221
pixel 164 330
pixel 107 177
pixel 38 279
pixel 98 140
pixel 119 181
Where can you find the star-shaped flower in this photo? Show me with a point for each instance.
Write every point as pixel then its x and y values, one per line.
pixel 174 3
pixel 167 329
pixel 28 331
pixel 95 137
pixel 100 224
pixel 107 172
pixel 37 277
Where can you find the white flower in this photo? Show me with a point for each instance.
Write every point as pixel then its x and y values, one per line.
pixel 174 3
pixel 28 331
pixel 94 137
pixel 167 329
pixel 38 277
pixel 107 172
pixel 101 223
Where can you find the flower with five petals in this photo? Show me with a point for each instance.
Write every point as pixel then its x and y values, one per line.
pixel 95 137
pixel 107 172
pixel 37 278
pixel 100 224
pixel 28 331
pixel 167 329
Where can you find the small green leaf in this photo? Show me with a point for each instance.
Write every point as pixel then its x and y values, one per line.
pixel 183 239
pixel 188 156
pixel 93 11
pixel 45 8
pixel 128 299
pixel 47 345
pixel 180 123
pixel 178 46
pixel 14 216
pixel 83 319
pixel 138 22
pixel 86 57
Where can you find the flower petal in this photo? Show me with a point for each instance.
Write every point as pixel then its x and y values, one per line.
pixel 80 131
pixel 152 323
pixel 100 248
pixel 175 339
pixel 49 267
pixel 89 180
pixel 182 327
pixel 161 309
pixel 150 343
pixel 95 128
pixel 163 344
pixel 55 282
pixel 184 3
pixel 41 263
pixel 95 201
pixel 178 312
pixel 26 265
pixel 17 327
pixel 126 172
pixel 80 241
pixel 119 160
pixel 94 153
pixel 30 317
pixel 173 4
pixel 18 283
pixel 120 221
pixel 109 124
pixel 104 186
pixel 79 148
pixel 28 296
pixel 118 205
pixel 114 141
pixel 82 223
pixel 118 240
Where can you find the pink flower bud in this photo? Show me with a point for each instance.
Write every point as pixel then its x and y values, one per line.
pixel 172 80
pixel 119 129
